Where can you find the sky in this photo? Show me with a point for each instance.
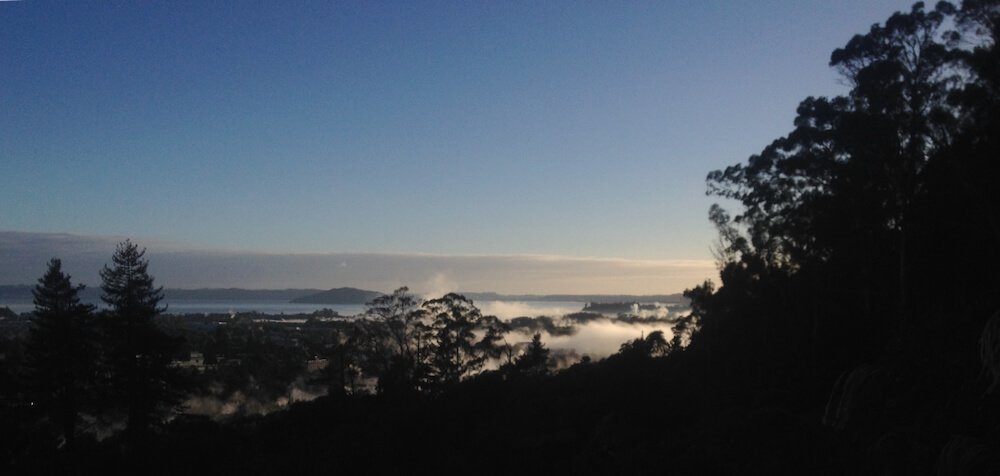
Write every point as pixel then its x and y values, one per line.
pixel 472 132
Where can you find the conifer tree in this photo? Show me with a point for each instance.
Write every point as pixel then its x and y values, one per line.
pixel 61 350
pixel 138 353
pixel 535 359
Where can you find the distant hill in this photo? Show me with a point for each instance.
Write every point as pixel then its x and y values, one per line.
pixel 22 292
pixel 18 291
pixel 338 296
pixel 237 294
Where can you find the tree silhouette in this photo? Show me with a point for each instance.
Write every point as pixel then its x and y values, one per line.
pixel 398 311
pixel 61 350
pixel 838 216
pixel 138 353
pixel 419 348
pixel 653 345
pixel 837 257
pixel 457 350
pixel 398 341
pixel 535 359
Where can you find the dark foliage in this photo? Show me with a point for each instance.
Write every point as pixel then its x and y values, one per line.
pixel 137 353
pixel 534 360
pixel 863 258
pixel 61 352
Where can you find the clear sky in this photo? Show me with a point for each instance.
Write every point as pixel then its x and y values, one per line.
pixel 571 129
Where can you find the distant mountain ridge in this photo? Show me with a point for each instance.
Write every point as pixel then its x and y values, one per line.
pixel 16 291
pixel 344 295
pixel 22 292
pixel 238 294
pixel 338 296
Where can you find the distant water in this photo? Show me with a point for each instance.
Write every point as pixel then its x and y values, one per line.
pixel 501 309
pixel 198 306
pixel 261 306
pixel 17 305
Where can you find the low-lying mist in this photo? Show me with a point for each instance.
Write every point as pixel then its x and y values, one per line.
pixel 507 310
pixel 219 405
pixel 601 338
pixel 593 334
pixel 571 331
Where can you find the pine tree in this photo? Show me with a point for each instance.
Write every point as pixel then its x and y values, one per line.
pixel 61 350
pixel 535 359
pixel 138 354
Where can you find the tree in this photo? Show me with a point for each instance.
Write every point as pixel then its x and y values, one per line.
pixel 901 74
pixel 61 350
pixel 138 353
pixel 397 341
pixel 838 246
pixel 653 345
pixel 399 312
pixel 535 359
pixel 463 338
pixel 835 208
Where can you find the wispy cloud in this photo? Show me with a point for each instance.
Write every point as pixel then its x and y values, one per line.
pixel 23 256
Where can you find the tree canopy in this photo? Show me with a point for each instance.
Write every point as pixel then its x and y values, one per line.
pixel 138 353
pixel 860 203
pixel 61 350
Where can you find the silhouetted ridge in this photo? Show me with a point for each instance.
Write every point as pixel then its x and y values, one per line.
pixel 339 296
pixel 22 292
pixel 238 294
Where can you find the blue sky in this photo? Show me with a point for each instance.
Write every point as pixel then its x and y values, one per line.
pixel 573 129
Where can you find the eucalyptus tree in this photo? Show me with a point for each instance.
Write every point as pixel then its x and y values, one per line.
pixel 844 226
pixel 840 189
pixel 463 338
pixel 397 341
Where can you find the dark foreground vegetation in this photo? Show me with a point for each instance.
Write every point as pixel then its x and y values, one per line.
pixel 856 329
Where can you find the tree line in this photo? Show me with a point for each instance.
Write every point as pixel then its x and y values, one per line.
pixel 85 369
pixel 879 210
pixel 860 264
pixel 111 365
